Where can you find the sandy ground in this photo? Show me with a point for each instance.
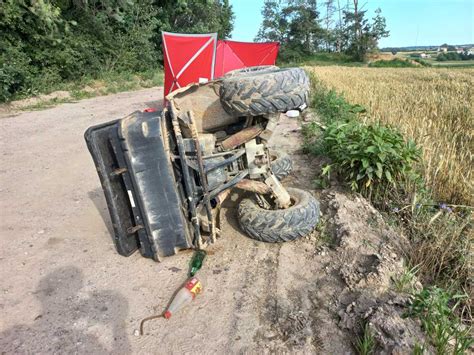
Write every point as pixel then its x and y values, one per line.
pixel 64 289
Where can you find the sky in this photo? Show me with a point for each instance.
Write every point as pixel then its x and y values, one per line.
pixel 410 22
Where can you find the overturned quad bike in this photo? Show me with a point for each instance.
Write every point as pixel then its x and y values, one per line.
pixel 165 174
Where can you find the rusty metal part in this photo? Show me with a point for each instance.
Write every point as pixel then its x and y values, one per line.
pixel 134 229
pixel 231 183
pixel 241 137
pixel 261 160
pixel 149 318
pixel 222 196
pixel 186 174
pixel 203 176
pixel 118 171
pixel 282 197
pixel 254 186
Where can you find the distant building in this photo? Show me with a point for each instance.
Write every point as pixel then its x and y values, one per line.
pixel 424 55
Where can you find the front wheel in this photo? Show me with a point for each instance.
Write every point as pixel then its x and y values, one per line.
pixel 281 164
pixel 283 225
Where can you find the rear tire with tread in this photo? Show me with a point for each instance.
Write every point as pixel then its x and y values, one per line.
pixel 266 91
pixel 275 226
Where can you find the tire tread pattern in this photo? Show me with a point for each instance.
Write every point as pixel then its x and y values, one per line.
pixel 282 165
pixel 276 226
pixel 267 91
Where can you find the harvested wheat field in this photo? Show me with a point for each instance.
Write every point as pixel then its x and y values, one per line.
pixel 435 107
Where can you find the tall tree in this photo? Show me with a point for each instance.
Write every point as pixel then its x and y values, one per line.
pixel 273 24
pixel 330 10
pixel 361 36
pixel 194 16
pixel 379 27
pixel 304 28
pixel 294 23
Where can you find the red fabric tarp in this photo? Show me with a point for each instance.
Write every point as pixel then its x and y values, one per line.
pixel 191 58
pixel 233 55
pixel 188 58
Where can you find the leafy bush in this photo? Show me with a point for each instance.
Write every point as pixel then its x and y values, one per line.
pixel 394 63
pixel 423 63
pixel 433 307
pixel 369 155
pixel 442 57
pixel 294 56
pixel 366 156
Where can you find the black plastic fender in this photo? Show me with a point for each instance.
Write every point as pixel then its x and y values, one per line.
pixel 140 187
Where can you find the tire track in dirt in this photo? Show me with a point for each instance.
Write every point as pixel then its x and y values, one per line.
pixel 59 266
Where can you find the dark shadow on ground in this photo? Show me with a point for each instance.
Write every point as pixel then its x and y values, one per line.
pixel 70 319
pixel 98 198
pixel 231 206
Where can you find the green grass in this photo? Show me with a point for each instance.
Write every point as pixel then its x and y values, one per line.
pixel 434 63
pixel 436 310
pixel 394 63
pixel 325 238
pixel 404 283
pixel 320 59
pixel 44 104
pixel 112 82
pixel 104 84
pixel 365 344
pixel 454 64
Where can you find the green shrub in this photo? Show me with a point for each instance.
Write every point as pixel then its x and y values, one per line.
pixel 369 155
pixel 16 73
pixel 44 44
pixel 366 156
pixel 422 62
pixel 435 309
pixel 394 63
pixel 290 56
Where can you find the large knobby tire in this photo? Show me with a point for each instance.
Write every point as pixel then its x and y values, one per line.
pixel 281 164
pixel 283 225
pixel 265 91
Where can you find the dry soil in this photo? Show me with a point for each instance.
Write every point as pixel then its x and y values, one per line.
pixel 64 289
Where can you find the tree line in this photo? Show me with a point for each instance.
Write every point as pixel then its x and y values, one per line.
pixel 304 27
pixel 45 42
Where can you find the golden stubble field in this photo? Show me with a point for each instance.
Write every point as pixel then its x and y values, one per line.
pixel 435 107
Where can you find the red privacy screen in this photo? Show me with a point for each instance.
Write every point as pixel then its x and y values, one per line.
pixel 232 55
pixel 190 58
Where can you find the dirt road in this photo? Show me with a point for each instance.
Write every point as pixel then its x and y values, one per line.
pixel 64 289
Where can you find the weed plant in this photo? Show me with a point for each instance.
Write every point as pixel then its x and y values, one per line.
pixel 377 161
pixel 436 310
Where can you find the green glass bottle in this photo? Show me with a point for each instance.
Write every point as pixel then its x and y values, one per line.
pixel 196 262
